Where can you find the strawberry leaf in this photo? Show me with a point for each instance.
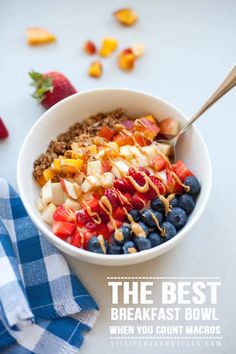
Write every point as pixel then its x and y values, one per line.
pixel 42 84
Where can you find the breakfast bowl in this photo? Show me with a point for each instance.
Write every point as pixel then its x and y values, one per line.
pixel 76 108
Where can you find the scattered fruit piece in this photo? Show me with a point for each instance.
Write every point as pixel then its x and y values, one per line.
pixel 90 48
pixel 126 59
pixel 51 87
pixel 126 16
pixel 109 45
pixel 37 35
pixel 3 130
pixel 138 50
pixel 95 69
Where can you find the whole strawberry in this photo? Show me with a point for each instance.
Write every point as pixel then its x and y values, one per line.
pixel 3 130
pixel 51 87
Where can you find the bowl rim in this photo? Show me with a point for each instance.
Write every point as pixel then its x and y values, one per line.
pixel 101 258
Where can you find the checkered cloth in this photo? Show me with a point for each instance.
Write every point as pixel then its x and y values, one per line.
pixel 44 308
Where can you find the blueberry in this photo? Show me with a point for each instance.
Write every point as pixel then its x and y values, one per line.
pixel 129 247
pixel 155 239
pixel 174 202
pixel 135 214
pixel 187 203
pixel 142 243
pixel 97 245
pixel 122 235
pixel 194 185
pixel 177 217
pixel 113 248
pixel 148 219
pixel 156 204
pixel 169 230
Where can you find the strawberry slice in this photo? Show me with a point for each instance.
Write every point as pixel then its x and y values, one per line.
pixel 138 177
pixel 63 213
pixel 104 231
pixel 181 170
pixel 87 235
pixel 138 201
pixel 143 169
pixel 161 187
pixel 119 214
pixel 150 194
pixel 113 198
pixel 77 240
pixel 148 128
pixel 91 226
pixel 3 130
pixel 82 218
pixel 124 186
pixel 171 184
pixel 93 203
pixel 63 229
pixel 106 133
pixel 111 228
pixel 159 163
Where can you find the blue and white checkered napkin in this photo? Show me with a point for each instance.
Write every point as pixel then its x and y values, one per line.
pixel 44 308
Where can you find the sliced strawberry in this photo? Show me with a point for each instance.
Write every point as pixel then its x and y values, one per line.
pixel 150 194
pixel 77 239
pixel 64 213
pixel 181 170
pixel 161 186
pixel 98 193
pixel 138 202
pixel 111 228
pixel 106 166
pixel 128 124
pixel 143 169
pixel 82 218
pixel 106 133
pixel 91 226
pixel 104 231
pixel 93 203
pixel 3 130
pixel 159 163
pixel 113 198
pixel 122 139
pixel 124 185
pixel 119 214
pixel 172 185
pixel 87 235
pixel 138 177
pixel 63 229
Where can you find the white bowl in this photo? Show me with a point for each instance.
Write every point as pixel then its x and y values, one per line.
pixel 78 107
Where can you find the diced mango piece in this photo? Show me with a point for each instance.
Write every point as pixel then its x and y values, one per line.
pixel 95 69
pixel 151 118
pixel 126 16
pixel 41 180
pixel 49 174
pixel 126 59
pixel 109 45
pixel 92 149
pixel 71 165
pixel 36 36
pixel 56 165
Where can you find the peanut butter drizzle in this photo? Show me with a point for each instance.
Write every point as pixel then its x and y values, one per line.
pixel 107 208
pixel 101 241
pixel 187 188
pixel 96 218
pixel 156 221
pixel 135 227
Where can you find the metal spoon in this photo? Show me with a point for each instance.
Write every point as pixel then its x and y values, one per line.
pixel 228 83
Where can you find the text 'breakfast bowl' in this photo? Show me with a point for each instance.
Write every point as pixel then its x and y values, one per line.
pixel 106 191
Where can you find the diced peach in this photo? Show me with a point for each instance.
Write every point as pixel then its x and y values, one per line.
pixel 169 127
pixel 49 173
pixel 126 16
pixel 126 59
pixel 89 48
pixel 109 45
pixel 56 165
pixel 95 69
pixel 138 50
pixel 140 139
pixel 148 129
pixel 122 139
pixel 36 36
pixel 41 180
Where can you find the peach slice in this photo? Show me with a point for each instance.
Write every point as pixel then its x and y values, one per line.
pixel 37 36
pixel 125 16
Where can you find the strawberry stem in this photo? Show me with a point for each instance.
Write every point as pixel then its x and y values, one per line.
pixel 42 84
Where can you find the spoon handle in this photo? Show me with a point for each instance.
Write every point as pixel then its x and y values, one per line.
pixel 228 83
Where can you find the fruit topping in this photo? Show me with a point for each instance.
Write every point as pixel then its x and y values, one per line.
pixel 143 243
pixel 177 217
pixel 37 36
pixel 126 16
pixel 89 48
pixel 187 203
pixel 194 185
pixel 129 248
pixel 95 69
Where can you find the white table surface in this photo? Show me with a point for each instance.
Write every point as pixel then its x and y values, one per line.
pixel 190 46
